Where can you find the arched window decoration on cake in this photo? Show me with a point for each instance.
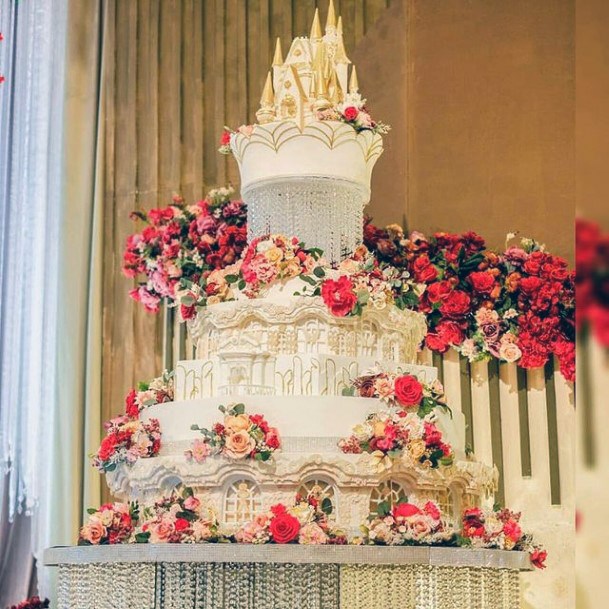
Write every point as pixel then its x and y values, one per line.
pixel 241 501
pixel 390 491
pixel 445 499
pixel 321 489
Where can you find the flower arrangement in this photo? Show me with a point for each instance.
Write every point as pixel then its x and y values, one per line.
pixel 178 518
pixel 353 112
pixel 126 441
pixel 112 523
pixel 499 529
pixel 408 524
pixel 239 436
pixel 157 391
pixel 403 391
pixel 398 435
pixel 306 522
pixel 183 242
pixel 516 306
pixel 35 602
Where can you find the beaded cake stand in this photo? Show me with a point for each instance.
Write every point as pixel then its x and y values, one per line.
pixel 235 576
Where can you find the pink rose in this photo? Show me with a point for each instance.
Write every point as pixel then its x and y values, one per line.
pixel 161 532
pixel 239 445
pixel 93 532
pixel 192 503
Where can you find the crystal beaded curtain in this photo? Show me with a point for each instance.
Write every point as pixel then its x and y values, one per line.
pixel 31 107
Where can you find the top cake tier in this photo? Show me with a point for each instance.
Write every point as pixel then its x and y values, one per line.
pixel 306 165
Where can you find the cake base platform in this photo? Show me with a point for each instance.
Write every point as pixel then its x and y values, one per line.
pixel 234 576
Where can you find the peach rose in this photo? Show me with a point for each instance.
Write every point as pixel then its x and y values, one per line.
pixel 160 532
pixel 510 352
pixel 240 422
pixel 93 532
pixel 239 445
pixel 273 255
pixel 420 527
pixel 417 449
pixel 379 429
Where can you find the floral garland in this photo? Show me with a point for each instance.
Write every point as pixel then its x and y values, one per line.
pixel 499 529
pixel 112 523
pixel 306 523
pixel 408 524
pixel 35 602
pixel 183 242
pixel 126 441
pixel 239 436
pixel 516 306
pixel 397 435
pixel 180 518
pixel 157 391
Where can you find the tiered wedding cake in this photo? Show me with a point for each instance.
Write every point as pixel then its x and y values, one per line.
pixel 281 350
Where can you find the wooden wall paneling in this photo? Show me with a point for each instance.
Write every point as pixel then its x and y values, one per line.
pixel 586 400
pixel 496 430
pixel 303 12
pixel 510 425
pixel 552 421
pixel 191 95
pixel 211 90
pixel 481 416
pixel 280 16
pixel 525 430
pixel 219 41
pixel 373 9
pixel 438 363
pixel 123 358
pixel 540 454
pixel 260 49
pixel 348 13
pixel 108 278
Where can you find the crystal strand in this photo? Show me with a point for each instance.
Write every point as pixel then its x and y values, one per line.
pixel 330 586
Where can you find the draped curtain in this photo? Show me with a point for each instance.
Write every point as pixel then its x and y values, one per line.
pixel 49 279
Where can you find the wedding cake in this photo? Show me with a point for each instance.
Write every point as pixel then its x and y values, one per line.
pixel 314 350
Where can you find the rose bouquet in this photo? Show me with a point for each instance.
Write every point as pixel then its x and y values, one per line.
pixel 306 522
pixel 179 518
pixel 408 524
pixel 126 441
pixel 499 529
pixel 400 390
pixel 183 242
pixel 239 436
pixel 354 112
pixel 517 306
pixel 157 391
pixel 112 523
pixel 399 436
pixel 35 602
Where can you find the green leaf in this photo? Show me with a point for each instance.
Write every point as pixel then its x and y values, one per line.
pixel 384 508
pixel 318 271
pixel 308 279
pixel 348 391
pixel 142 537
pixel 239 409
pixel 187 492
pixel 195 427
pixel 91 511
pixel 241 285
pixel 231 278
pixel 143 386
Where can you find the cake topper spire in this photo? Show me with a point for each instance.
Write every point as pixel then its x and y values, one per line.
pixel 353 84
pixel 316 27
pixel 341 55
pixel 266 113
pixel 331 20
pixel 278 57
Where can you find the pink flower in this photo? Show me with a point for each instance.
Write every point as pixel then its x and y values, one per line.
pixel 192 503
pixel 312 534
pixel 199 451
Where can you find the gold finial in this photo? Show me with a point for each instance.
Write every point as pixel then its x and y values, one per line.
pixel 266 114
pixel 278 57
pixel 321 91
pixel 353 84
pixel 331 20
pixel 319 61
pixel 336 96
pixel 341 54
pixel 316 27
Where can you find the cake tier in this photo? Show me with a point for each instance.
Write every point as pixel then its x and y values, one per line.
pixel 312 182
pixel 284 324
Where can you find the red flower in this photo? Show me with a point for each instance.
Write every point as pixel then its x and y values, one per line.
pixel 408 390
pixel 188 312
pixel 107 447
pixel 512 530
pixel 424 271
pixel 181 524
pixel 538 558
pixel 278 509
pixel 339 296
pixel 482 282
pixel 131 408
pixel 456 305
pixel 437 292
pixel 225 138
pixel 433 436
pixel 447 333
pixel 272 439
pixel 431 509
pixel 350 113
pixel 405 510
pixel 284 528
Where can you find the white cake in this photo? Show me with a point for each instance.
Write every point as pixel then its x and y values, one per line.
pixel 305 171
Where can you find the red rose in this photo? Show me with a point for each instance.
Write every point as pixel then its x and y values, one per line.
pixel 450 332
pixel 272 438
pixel 131 408
pixel 405 510
pixel 350 113
pixel 225 138
pixel 512 530
pixel 339 296
pixel 436 343
pixel 181 524
pixel 433 436
pixel 188 312
pixel 431 509
pixel 107 447
pixel 482 282
pixel 424 271
pixel 408 390
pixel 438 291
pixel 284 528
pixel 530 285
pixel 456 304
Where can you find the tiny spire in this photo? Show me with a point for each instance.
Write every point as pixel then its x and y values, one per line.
pixel 268 96
pixel 353 84
pixel 331 20
pixel 278 57
pixel 336 96
pixel 316 27
pixel 341 54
